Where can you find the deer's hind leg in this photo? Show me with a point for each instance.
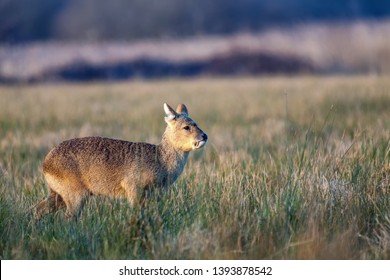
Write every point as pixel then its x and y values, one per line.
pixel 55 201
pixel 51 204
pixel 72 193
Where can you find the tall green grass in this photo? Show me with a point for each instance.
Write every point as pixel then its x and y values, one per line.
pixel 296 168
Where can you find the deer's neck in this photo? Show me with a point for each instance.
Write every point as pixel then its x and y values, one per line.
pixel 173 160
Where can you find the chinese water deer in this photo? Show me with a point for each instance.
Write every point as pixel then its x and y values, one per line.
pixel 87 166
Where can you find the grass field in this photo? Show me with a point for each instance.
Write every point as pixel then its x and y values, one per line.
pixel 295 168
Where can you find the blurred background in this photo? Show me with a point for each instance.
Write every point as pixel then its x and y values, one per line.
pixel 84 40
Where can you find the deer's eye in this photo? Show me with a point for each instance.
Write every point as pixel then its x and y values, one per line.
pixel 186 127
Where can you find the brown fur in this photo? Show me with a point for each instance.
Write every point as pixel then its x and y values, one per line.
pixel 80 167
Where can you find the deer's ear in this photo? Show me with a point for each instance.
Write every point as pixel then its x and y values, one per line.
pixel 182 109
pixel 170 114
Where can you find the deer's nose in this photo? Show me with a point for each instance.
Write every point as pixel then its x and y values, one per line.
pixel 204 136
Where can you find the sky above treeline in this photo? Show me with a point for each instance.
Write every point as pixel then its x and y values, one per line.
pixel 101 20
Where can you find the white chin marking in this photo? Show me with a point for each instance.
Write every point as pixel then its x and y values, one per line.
pixel 199 144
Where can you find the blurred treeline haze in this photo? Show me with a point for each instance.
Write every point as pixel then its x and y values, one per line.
pixel 26 20
pixel 96 39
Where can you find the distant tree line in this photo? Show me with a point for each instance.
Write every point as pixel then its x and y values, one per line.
pixel 33 20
